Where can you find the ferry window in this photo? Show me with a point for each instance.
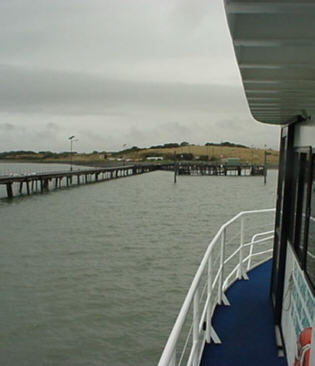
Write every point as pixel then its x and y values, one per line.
pixel 301 205
pixel 303 188
pixel 294 198
pixel 310 253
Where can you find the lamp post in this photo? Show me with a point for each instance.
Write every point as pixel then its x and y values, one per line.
pixel 71 142
pixel 265 166
pixel 124 156
pixel 175 166
pixel 266 153
pixel 252 153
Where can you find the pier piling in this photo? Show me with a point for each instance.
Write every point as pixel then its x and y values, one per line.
pixel 9 190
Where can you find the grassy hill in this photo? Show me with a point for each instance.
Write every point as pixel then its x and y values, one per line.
pixel 213 153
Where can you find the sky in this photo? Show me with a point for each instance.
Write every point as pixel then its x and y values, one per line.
pixel 117 73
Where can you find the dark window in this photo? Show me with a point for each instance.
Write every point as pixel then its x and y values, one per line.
pixel 301 232
pixel 282 223
pixel 302 205
pixel 293 229
pixel 310 252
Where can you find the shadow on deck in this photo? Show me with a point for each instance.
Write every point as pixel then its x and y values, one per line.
pixel 246 327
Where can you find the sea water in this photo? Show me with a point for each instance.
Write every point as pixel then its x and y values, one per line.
pixel 96 274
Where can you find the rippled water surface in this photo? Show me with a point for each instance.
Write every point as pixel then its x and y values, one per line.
pixel 95 275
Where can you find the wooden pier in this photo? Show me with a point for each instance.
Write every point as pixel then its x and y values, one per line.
pixel 217 169
pixel 43 182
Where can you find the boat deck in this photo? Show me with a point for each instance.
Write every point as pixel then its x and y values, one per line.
pixel 246 327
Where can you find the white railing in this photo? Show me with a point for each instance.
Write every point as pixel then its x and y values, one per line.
pixel 235 249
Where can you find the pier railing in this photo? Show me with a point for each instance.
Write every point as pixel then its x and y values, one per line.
pixel 240 244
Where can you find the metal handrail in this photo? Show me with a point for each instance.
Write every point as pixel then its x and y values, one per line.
pixel 199 336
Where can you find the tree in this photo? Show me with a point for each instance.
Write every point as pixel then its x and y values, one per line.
pixel 171 145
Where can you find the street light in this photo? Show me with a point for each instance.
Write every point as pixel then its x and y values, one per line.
pixel 265 163
pixel 124 156
pixel 71 142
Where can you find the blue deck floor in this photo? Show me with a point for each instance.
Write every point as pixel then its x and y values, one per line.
pixel 246 327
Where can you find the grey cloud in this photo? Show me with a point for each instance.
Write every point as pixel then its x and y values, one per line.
pixel 52 126
pixel 100 35
pixel 140 72
pixel 190 14
pixel 7 127
pixel 27 90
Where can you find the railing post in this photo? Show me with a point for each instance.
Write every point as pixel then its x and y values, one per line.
pixel 196 319
pixel 250 253
pixel 208 328
pixel 173 359
pixel 222 250
pixel 241 273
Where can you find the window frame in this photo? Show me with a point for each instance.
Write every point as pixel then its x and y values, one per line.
pixel 310 185
pixel 299 180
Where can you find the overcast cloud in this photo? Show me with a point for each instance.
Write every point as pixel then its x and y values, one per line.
pixel 114 72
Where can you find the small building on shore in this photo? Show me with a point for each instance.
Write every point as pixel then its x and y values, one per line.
pixel 231 161
pixel 154 158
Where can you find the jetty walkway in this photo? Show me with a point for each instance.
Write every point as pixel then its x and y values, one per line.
pixel 43 182
pixel 216 169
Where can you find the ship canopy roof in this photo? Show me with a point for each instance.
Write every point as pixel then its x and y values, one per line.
pixel 274 43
